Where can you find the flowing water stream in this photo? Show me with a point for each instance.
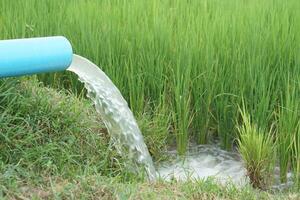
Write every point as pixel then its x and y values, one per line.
pixel 114 112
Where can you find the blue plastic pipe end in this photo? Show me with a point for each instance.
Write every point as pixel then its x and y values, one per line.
pixel 35 55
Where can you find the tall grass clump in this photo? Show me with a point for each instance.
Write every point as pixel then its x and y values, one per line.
pixel 257 150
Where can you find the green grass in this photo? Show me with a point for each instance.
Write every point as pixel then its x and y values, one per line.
pixel 257 150
pixel 183 65
pixel 46 131
pixel 99 187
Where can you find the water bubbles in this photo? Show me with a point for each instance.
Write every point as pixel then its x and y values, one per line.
pixel 205 161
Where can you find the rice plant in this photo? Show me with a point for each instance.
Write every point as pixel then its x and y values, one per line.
pixel 181 114
pixel 257 150
pixel 287 129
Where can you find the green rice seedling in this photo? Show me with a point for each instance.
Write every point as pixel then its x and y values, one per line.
pixel 261 102
pixel 288 118
pixel 226 112
pixel 202 105
pixel 257 150
pixel 182 109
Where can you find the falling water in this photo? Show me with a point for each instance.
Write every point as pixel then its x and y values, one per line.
pixel 115 113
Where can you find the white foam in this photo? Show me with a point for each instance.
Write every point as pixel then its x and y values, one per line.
pixel 205 161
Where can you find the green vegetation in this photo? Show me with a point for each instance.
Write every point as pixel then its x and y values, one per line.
pixel 185 67
pixel 52 146
pixel 45 131
pixel 48 131
pixel 287 128
pixel 257 150
pixel 103 188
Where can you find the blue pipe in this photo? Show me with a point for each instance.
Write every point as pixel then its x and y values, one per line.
pixel 35 55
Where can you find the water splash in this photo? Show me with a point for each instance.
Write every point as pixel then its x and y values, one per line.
pixel 210 161
pixel 114 112
pixel 202 162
